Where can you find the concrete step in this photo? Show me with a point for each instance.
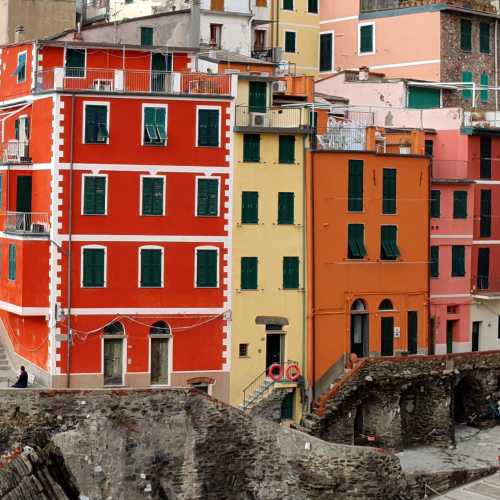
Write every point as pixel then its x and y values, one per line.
pixel 4 368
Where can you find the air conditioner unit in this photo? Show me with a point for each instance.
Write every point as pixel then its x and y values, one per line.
pixel 102 85
pixel 279 87
pixel 258 120
pixel 276 54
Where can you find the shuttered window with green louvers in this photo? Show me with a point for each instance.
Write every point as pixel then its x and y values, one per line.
pixel 249 207
pixel 460 204
pixel 155 131
pixel 208 127
pixel 94 195
pixel 287 149
pixel 458 260
pixel 290 272
pixel 466 35
pixel 93 267
pixel 249 273
pixel 366 43
pixel 12 262
pixel 286 208
pixel 152 195
pixel 434 262
pixel 389 247
pixel 96 124
pixel 355 241
pixel 484 38
pixel 355 187
pixel 151 267
pixel 389 191
pixel 208 197
pixel 206 268
pixel 251 148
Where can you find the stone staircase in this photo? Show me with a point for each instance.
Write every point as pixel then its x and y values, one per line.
pixel 257 394
pixel 6 372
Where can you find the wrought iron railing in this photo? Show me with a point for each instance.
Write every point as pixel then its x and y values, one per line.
pixel 339 139
pixel 27 222
pixel 15 151
pixel 276 117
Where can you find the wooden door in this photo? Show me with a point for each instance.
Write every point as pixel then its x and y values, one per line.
pixel 159 361
pixel 359 335
pixel 287 406
pixel 387 340
pixel 113 361
pixel 449 336
pixel 274 349
pixel 257 99
pixel 412 332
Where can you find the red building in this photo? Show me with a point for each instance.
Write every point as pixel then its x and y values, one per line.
pixel 115 183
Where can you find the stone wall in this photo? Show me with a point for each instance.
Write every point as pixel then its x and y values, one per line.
pixel 180 444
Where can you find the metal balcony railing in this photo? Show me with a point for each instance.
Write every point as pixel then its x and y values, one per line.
pixel 483 282
pixel 340 139
pixel 27 223
pixel 276 118
pixel 132 81
pixel 15 151
pixel 270 54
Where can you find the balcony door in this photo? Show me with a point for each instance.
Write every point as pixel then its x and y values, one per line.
pixel 387 341
pixel 161 64
pixel 257 99
pixel 23 195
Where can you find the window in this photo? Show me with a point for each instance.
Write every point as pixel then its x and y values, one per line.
pixel 12 262
pixel 286 208
pixel 484 81
pixel 429 148
pixel 457 260
pixel 206 268
pixel 22 129
pixel 249 207
pixel 257 97
pixel 483 268
pixel 485 219
pixel 249 273
pixel 146 36
pixel 153 195
pixel 434 262
pixel 243 350
pixel 290 272
pixel 287 149
pixel 96 124
pixel 389 191
pixel 160 328
pixel 466 35
pixel 326 52
pixel 21 67
pixel 467 89
pixel 485 157
pixel 388 238
pixel 484 38
pixel 386 305
pixel 287 4
pixel 356 241
pixel 366 39
pixel 251 148
pixel 93 267
pixel 207 197
pixel 216 35
pixel 74 63
pixel 290 39
pixel 151 267
pixel 208 127
pixel 201 386
pixel 424 98
pixel 355 187
pixel 312 6
pixel 259 38
pixel 155 125
pixel 94 195
pixel 459 204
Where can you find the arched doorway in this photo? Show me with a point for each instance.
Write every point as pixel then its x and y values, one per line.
pixel 386 329
pixel 359 328
pixel 159 334
pixel 113 338
pixel 468 398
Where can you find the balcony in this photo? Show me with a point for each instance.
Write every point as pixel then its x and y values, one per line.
pixel 272 119
pixel 15 151
pixel 27 223
pixel 268 54
pixel 132 81
pixel 481 119
pixel 376 5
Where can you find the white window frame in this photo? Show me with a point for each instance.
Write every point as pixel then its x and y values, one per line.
pixel 105 195
pixel 284 41
pixel 84 64
pixel 163 178
pixel 94 247
pixel 206 247
pixel 170 356
pixel 331 32
pixel 151 247
pixel 374 39
pixel 198 109
pixel 153 105
pixel 207 177
pixel 19 54
pixel 95 103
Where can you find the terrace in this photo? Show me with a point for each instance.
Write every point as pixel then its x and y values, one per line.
pixel 27 223
pixel 475 5
pixel 14 152
pixel 272 119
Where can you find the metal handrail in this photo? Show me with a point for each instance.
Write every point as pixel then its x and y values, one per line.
pixel 27 222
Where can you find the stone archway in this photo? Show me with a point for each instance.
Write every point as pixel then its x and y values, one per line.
pixel 468 398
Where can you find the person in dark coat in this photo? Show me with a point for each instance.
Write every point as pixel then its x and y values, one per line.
pixel 22 381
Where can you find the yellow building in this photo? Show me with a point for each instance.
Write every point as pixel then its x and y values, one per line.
pixel 268 256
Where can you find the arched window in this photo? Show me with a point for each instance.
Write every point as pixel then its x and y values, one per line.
pixel 159 328
pixel 386 305
pixel 115 328
pixel 358 306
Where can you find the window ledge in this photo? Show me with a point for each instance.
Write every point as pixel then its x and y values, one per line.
pixel 207 287
pixel 155 145
pixel 153 287
pixel 93 286
pixel 152 215
pixel 95 214
pixel 243 290
pixel 292 289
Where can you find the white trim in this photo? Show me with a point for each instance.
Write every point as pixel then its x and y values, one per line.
pixel 25 52
pixel 139 260
pixel 206 177
pixel 188 169
pixel 339 20
pixel 84 62
pixel 451 236
pixel 141 238
pixel 374 46
pixel 23 311
pixel 481 181
pixel 82 201
pixel 28 168
pixel 105 311
pixel 95 103
pixel 82 251
pixel 451 296
pixel 219 110
pixel 401 65
pixel 196 266
pixel 153 105
pixel 333 52
pixel 486 242
pixel 141 187
pixel 295 42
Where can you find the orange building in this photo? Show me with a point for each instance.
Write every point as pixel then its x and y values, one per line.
pixel 368 241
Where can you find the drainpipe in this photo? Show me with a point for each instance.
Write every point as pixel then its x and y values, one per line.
pixel 312 278
pixel 304 253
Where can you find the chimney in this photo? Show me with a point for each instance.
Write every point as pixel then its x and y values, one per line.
pixel 194 34
pixel 364 73
pixel 19 34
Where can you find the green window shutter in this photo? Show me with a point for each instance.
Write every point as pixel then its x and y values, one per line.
pixel 485 157
pixel 94 195
pixel 75 63
pixel 366 39
pixel 146 36
pixel 249 207
pixel 257 97
pixel 286 208
pixel 484 81
pixel 290 41
pixel 435 204
pixel 152 196
pixel 389 247
pixel 208 127
pixel 287 149
pixel 460 204
pixel 290 272
pixel 208 197
pixel 458 260
pixel 96 124
pixel 484 38
pixel 12 262
pixel 356 241
pixel 325 52
pixel 424 98
pixel 21 68
pixel 466 35
pixel 249 273
pixel 16 129
pixel 251 147
pixel 434 262
pixel 483 268
pixel 355 187
pixel 287 4
pixel 93 267
pixel 467 90
pixel 151 267
pixel 429 147
pixel 389 191
pixel 312 6
pixel 154 125
pixel 206 268
pixel 485 220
